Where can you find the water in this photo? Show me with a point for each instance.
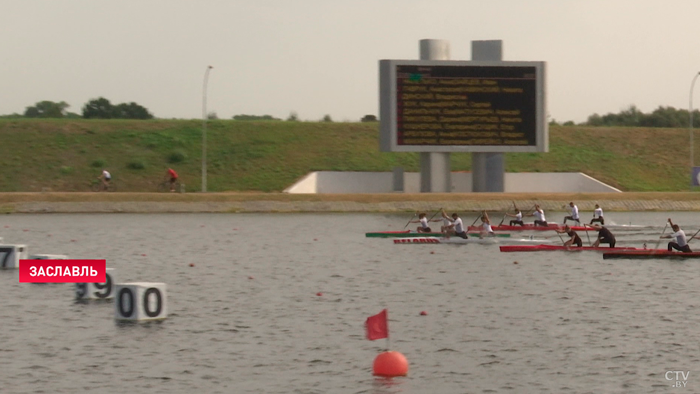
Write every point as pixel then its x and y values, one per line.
pixel 247 318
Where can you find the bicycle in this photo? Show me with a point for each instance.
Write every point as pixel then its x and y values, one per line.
pixel 165 187
pixel 100 187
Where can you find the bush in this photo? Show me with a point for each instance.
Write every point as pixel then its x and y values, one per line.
pixel 99 163
pixel 177 156
pixel 136 165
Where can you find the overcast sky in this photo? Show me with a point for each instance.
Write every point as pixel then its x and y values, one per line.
pixel 318 57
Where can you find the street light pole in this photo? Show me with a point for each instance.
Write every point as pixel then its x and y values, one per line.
pixel 204 130
pixel 690 114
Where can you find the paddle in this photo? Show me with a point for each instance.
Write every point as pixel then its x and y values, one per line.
pixel 691 238
pixel 662 234
pixel 436 212
pixel 409 221
pixel 587 236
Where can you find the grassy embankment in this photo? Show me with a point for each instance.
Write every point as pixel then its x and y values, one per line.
pixel 67 155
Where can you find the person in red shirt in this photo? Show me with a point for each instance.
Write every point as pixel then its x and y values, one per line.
pixel 173 178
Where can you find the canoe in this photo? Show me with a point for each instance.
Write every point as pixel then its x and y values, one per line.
pixel 410 233
pixel 458 240
pixel 530 227
pixel 650 254
pixel 543 248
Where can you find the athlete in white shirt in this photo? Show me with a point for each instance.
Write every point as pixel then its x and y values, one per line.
pixel 681 243
pixel 574 214
pixel 598 215
pixel 539 216
pixel 457 227
pixel 424 225
pixel 486 229
pixel 518 218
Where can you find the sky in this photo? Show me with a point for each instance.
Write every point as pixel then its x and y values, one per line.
pixel 320 57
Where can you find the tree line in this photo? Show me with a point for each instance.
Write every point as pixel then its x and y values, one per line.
pixel 99 108
pixel 666 117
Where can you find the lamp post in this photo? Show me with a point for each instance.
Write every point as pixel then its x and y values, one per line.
pixel 690 114
pixel 204 130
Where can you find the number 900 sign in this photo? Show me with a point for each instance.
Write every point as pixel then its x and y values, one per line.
pixel 97 291
pixel 140 301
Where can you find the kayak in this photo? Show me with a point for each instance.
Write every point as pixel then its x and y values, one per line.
pixel 458 240
pixel 410 233
pixel 542 248
pixel 650 254
pixel 530 227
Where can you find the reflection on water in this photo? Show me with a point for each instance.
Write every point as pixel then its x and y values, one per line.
pixel 246 317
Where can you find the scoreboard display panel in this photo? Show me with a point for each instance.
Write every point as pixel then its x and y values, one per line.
pixel 462 106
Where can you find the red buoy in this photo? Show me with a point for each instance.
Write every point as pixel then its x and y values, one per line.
pixel 390 364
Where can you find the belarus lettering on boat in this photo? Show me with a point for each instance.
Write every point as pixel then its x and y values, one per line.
pixel 417 241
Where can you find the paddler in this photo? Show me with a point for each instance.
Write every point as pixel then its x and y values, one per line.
pixel 574 214
pixel 486 229
pixel 539 216
pixel 598 215
pixel 518 217
pixel 575 239
pixel 456 226
pixel 424 226
pixel 604 236
pixel 681 243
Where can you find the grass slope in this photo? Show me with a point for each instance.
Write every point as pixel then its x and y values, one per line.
pixel 67 155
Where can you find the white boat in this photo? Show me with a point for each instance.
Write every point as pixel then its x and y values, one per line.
pixel 473 240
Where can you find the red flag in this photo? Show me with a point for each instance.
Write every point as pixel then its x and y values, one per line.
pixel 377 327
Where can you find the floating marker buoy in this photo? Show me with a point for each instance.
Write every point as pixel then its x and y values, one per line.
pixel 319 294
pixel 390 364
pixel 424 313
pixel 143 254
pixel 251 278
pixel 191 264
pixel 515 262
pixel 315 239
pixel 432 252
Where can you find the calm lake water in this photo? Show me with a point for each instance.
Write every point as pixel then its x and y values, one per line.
pixel 248 317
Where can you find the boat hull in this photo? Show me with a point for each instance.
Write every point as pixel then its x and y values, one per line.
pixel 409 234
pixel 650 254
pixel 458 240
pixel 530 227
pixel 548 248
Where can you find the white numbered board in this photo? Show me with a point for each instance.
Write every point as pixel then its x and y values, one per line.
pixel 98 291
pixel 10 255
pixel 140 301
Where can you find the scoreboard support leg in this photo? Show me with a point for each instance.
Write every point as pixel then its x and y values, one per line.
pixel 488 169
pixel 435 172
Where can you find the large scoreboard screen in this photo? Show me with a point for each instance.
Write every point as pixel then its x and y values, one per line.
pixel 462 106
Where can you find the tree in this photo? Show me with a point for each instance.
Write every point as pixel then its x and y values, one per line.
pixel 101 108
pixel 254 117
pixel 327 118
pixel 212 115
pixel 47 109
pixel 369 118
pixel 293 117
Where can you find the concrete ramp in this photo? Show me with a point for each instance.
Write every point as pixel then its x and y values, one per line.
pixel 348 182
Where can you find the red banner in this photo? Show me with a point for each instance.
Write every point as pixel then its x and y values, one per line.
pixel 377 327
pixel 62 271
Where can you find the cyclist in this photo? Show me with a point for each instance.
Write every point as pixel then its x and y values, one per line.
pixel 173 178
pixel 106 177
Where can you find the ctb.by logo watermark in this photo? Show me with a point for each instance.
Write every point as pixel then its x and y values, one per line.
pixel 678 378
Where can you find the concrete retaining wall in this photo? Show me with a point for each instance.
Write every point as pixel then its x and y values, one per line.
pixel 333 182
